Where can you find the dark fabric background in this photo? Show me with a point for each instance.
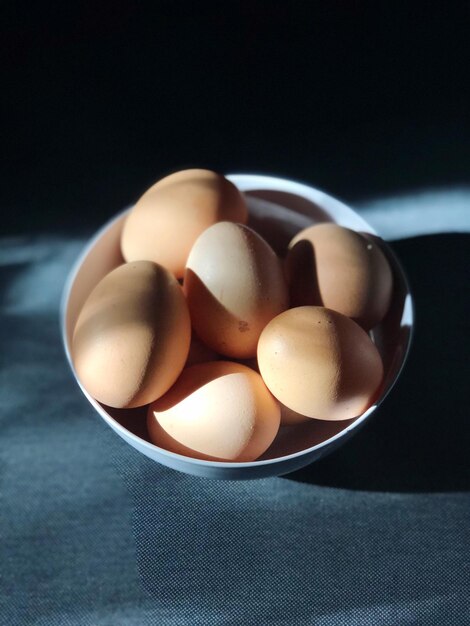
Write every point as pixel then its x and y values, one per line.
pixel 366 100
pixel 99 99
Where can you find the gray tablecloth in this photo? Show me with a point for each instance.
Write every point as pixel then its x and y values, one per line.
pixel 377 533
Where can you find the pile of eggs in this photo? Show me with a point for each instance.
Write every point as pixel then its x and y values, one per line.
pixel 223 339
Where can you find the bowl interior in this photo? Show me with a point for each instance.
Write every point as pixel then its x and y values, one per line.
pixel 278 210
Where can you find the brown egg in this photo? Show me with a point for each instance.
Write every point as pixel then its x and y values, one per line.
pixel 215 411
pixel 234 285
pixel 169 217
pixel 332 266
pixel 132 336
pixel 319 363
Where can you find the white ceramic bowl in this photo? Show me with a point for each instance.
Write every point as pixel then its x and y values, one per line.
pixel 278 208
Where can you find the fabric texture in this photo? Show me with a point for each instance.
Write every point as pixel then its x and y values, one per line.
pixel 378 533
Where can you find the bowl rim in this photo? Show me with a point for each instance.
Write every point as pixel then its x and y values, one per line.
pixel 275 183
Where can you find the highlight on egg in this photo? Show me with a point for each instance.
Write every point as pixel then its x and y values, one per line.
pixel 319 363
pixel 166 221
pixel 234 285
pixel 132 336
pixel 215 411
pixel 335 267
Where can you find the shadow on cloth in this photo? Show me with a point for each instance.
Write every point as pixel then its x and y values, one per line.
pixel 418 441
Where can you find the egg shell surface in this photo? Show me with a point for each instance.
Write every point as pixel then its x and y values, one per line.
pixel 216 411
pixel 132 336
pixel 335 267
pixel 234 284
pixel 319 363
